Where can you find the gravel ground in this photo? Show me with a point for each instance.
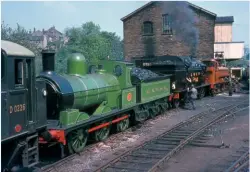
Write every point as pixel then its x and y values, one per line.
pixel 103 152
pixel 235 133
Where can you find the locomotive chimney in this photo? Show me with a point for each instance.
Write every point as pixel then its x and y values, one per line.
pixel 48 60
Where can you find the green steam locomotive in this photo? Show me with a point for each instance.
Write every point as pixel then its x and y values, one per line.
pixel 69 109
pixel 92 97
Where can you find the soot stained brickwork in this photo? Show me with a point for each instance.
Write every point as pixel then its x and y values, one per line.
pixel 157 43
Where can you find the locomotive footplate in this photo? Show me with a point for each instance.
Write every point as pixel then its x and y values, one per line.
pixel 59 132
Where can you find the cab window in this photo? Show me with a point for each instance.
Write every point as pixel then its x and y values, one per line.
pixel 19 72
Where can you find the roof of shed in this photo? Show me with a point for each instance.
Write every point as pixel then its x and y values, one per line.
pixel 13 49
pixel 225 19
pixel 152 2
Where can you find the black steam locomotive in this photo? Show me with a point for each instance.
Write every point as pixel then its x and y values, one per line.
pixel 183 70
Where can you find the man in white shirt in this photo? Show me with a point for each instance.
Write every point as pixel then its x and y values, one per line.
pixel 192 95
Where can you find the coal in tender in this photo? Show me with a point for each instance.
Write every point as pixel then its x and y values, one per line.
pixel 143 74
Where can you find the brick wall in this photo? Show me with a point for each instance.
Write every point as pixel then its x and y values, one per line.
pixel 136 44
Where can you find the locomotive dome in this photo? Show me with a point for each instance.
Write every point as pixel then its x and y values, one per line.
pixel 77 64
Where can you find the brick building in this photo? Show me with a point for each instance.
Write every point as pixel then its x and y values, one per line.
pixel 160 28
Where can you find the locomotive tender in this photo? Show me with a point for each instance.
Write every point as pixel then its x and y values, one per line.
pixel 206 75
pixel 68 109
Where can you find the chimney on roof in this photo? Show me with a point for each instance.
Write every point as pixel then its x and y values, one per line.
pixel 34 29
pixel 43 31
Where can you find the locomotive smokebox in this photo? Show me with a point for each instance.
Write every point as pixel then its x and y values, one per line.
pixel 48 58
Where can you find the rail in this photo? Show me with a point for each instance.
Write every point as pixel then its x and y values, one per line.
pixel 240 164
pixel 150 155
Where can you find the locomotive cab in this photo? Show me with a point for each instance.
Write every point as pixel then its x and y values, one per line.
pixel 216 74
pixel 21 121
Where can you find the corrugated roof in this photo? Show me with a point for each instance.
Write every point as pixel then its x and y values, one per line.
pixel 13 49
pixel 152 2
pixel 225 19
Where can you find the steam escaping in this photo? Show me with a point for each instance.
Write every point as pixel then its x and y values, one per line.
pixel 183 22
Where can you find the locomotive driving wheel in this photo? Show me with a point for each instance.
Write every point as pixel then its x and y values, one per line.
pixel 102 134
pixel 77 140
pixel 122 125
pixel 152 114
pixel 212 92
pixel 161 109
pixel 165 107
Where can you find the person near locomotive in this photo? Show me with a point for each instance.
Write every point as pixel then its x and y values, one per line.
pixel 191 94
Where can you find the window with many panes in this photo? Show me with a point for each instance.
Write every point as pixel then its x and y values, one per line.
pixel 147 28
pixel 166 24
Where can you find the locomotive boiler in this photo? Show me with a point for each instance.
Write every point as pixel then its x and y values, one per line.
pixel 77 89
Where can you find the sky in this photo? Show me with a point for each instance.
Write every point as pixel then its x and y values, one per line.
pixel 107 14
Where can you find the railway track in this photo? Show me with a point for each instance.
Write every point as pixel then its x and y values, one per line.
pixel 53 165
pixel 150 155
pixel 238 162
pixel 241 164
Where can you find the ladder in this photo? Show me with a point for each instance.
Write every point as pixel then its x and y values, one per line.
pixel 30 154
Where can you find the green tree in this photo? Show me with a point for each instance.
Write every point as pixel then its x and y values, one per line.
pixel 116 45
pixel 21 36
pixel 61 60
pixel 88 39
pixel 92 43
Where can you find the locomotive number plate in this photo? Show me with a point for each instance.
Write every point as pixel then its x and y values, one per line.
pixel 17 108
